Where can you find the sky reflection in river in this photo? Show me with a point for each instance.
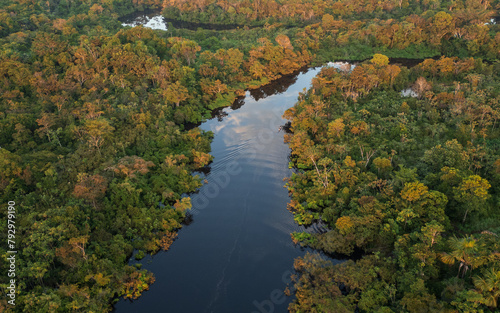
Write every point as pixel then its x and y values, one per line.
pixel 149 21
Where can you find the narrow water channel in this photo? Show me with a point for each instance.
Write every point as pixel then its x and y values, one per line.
pixel 236 255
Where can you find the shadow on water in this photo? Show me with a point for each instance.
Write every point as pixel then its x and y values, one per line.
pixel 195 26
pixel 278 86
pixel 409 63
pixel 275 87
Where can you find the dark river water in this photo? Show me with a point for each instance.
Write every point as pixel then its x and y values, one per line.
pixel 236 255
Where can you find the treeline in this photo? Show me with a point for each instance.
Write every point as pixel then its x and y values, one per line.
pixel 95 163
pixel 421 30
pixel 409 182
pixel 94 147
pixel 300 12
pixel 17 15
pixel 415 36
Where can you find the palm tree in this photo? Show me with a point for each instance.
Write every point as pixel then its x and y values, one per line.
pixel 468 251
pixel 489 287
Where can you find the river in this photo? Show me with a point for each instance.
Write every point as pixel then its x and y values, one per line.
pixel 236 255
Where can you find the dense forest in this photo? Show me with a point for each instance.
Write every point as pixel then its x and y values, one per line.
pixel 95 145
pixel 355 30
pixel 98 144
pixel 410 183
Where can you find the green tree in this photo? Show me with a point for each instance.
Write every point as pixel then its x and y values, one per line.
pixel 472 193
pixel 488 286
pixel 469 252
